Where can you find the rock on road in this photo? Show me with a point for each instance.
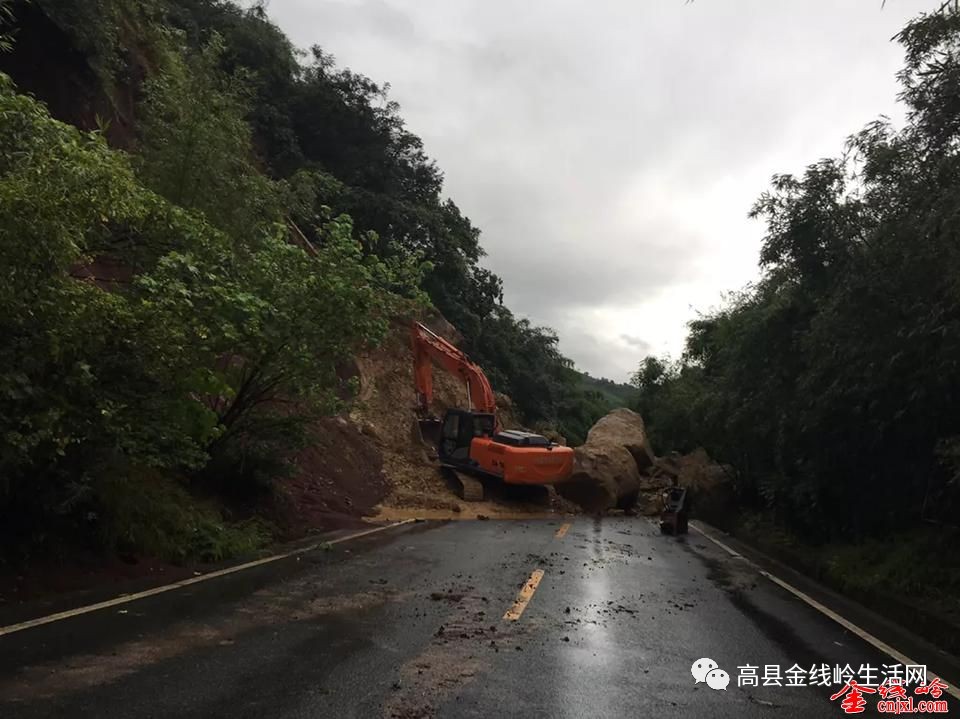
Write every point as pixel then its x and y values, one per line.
pixel 409 622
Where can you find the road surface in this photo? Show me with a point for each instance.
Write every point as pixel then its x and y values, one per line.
pixel 443 619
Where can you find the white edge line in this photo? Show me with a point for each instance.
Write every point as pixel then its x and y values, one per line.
pixel 123 599
pixel 826 611
pixel 724 547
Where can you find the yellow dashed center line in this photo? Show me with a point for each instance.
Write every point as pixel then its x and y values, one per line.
pixel 526 592
pixel 524 597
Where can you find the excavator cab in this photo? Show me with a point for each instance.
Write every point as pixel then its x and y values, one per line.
pixel 472 442
pixel 471 447
pixel 459 429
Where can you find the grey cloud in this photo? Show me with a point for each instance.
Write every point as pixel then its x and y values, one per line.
pixel 344 19
pixel 637 342
pixel 545 279
pixel 610 152
pixel 598 358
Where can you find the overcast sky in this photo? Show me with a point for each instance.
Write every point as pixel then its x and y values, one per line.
pixel 610 150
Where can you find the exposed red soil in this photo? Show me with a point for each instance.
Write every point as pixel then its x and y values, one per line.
pixel 338 479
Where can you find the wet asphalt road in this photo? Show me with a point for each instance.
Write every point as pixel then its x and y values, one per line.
pixel 409 623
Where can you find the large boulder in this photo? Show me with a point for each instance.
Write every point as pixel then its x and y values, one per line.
pixel 624 428
pixel 608 467
pixel 604 476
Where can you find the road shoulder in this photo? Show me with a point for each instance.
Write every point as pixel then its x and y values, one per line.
pixel 882 628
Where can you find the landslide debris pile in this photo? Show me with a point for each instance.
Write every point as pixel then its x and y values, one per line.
pixel 353 464
pixel 709 484
pixel 385 412
pixel 616 468
pixel 335 481
pixel 373 462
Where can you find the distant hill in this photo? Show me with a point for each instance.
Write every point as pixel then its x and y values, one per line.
pixel 615 393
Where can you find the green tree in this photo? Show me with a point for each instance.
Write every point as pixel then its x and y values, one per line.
pixel 338 140
pixel 78 390
pixel 832 383
pixel 196 146
pixel 268 328
pixel 6 25
pixel 197 347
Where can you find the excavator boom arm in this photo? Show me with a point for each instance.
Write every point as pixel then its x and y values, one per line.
pixel 429 347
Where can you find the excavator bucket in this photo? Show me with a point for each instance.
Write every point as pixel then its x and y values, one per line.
pixel 426 432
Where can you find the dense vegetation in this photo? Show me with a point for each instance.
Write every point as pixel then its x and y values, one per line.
pixel 832 384
pixel 177 299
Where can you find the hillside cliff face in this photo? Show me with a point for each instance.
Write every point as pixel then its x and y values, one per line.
pixel 172 341
pixel 330 135
pixel 49 61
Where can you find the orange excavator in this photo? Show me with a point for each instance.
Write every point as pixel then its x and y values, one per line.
pixel 470 443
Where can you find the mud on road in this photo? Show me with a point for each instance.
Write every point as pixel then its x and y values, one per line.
pixel 414 622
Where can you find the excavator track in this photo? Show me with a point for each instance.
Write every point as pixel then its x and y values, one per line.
pixel 469 488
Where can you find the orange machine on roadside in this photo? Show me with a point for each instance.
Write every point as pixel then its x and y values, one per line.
pixel 470 440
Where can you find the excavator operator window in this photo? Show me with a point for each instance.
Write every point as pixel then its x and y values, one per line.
pixel 464 437
pixel 451 426
pixel 467 430
pixel 457 435
pixel 483 425
pixel 460 428
pixel 450 434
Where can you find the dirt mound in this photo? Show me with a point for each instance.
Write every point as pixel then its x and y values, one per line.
pixel 649 501
pixel 337 479
pixel 386 405
pixel 436 322
pixel 385 411
pixel 693 471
